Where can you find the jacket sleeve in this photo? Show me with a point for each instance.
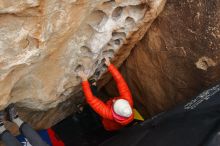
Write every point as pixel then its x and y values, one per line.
pixel 121 84
pixel 97 105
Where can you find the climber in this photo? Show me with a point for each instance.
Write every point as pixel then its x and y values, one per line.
pixel 8 139
pixel 116 112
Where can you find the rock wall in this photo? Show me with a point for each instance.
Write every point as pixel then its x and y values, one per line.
pixel 44 43
pixel 177 58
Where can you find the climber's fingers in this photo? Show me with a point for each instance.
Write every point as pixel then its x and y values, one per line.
pixel 82 75
pixel 107 61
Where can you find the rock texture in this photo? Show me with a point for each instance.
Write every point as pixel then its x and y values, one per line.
pixel 178 57
pixel 45 42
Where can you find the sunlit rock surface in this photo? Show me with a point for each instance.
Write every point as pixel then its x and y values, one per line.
pixel 178 57
pixel 44 43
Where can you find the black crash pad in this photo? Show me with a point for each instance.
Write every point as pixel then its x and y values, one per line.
pixel 194 123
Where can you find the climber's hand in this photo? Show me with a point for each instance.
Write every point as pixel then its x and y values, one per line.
pixel 107 61
pixel 83 75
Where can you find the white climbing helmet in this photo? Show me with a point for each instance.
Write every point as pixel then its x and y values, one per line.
pixel 122 108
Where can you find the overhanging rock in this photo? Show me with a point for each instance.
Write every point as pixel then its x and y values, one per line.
pixel 44 43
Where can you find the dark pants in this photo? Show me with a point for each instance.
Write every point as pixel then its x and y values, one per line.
pixel 9 140
pixel 32 136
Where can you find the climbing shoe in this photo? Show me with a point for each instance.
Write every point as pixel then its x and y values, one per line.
pixel 11 111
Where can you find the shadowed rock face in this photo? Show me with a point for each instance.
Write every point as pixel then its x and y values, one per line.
pixel 44 44
pixel 178 57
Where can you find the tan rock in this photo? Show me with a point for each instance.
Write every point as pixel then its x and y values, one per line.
pixel 44 43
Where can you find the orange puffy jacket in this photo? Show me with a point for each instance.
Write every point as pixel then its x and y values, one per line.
pixel 105 109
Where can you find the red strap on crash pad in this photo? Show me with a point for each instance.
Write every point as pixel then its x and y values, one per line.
pixel 53 138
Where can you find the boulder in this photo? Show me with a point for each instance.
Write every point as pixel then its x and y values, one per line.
pixel 178 57
pixel 44 44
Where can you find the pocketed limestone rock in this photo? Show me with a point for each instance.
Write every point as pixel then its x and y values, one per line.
pixel 44 44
